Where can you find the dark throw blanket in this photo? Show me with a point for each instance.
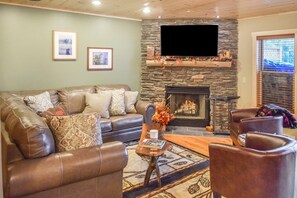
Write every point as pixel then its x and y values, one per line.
pixel 289 121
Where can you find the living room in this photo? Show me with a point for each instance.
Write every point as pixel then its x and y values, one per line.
pixel 27 62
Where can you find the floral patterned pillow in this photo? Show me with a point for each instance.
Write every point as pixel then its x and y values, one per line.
pixel 75 131
pixel 40 102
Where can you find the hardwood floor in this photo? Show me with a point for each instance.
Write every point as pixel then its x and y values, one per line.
pixel 197 143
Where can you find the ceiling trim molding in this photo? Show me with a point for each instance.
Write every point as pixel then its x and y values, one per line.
pixel 70 11
pixel 277 14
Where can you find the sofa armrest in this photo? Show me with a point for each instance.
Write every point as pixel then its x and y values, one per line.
pixel 238 114
pixel 147 109
pixel 267 124
pixel 248 167
pixel 35 175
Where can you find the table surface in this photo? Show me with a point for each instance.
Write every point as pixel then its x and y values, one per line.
pixel 144 151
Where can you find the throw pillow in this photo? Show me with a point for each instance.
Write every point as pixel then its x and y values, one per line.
pixel 40 102
pixel 130 100
pixel 75 131
pixel 58 110
pixel 117 105
pixel 98 103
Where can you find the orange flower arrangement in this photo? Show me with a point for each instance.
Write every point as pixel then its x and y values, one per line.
pixel 162 115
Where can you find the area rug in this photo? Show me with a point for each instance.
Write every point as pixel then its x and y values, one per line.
pixel 184 173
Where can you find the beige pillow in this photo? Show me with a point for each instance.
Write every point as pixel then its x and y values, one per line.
pixel 98 103
pixel 75 131
pixel 130 100
pixel 40 102
pixel 117 105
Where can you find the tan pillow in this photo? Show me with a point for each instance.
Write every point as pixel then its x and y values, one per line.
pixel 75 131
pixel 40 102
pixel 130 100
pixel 117 105
pixel 98 103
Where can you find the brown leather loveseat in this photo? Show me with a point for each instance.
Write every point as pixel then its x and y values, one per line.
pixel 32 168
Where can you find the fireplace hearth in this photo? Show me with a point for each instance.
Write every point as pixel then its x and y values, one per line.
pixel 189 104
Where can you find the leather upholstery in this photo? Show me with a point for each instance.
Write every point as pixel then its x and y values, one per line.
pixel 126 122
pixel 27 129
pixel 65 168
pixel 73 98
pixel 266 167
pixel 105 125
pixel 146 109
pixel 30 166
pixel 244 120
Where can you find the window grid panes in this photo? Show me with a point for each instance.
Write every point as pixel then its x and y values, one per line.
pixel 275 71
pixel 277 55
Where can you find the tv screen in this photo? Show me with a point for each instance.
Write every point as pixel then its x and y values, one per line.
pixel 189 40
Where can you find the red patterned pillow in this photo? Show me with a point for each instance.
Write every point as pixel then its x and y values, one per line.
pixel 58 110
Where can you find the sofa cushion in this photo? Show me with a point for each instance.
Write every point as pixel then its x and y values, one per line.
pixel 125 122
pixel 40 102
pixel 75 131
pixel 117 105
pixel 26 129
pixel 99 102
pixel 130 101
pixel 105 125
pixel 73 98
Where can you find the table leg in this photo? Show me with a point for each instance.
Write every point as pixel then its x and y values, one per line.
pixel 153 164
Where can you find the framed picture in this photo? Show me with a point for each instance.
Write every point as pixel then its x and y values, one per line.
pixel 99 58
pixel 64 45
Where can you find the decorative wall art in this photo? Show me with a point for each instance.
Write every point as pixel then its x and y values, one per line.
pixel 99 58
pixel 64 45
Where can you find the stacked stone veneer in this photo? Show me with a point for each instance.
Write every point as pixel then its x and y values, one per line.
pixel 222 81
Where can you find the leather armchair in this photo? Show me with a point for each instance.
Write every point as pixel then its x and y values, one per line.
pixel 266 167
pixel 244 120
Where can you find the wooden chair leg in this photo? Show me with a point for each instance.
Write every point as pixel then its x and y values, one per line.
pixel 216 195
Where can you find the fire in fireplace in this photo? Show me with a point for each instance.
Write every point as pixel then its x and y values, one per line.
pixel 187 108
pixel 189 104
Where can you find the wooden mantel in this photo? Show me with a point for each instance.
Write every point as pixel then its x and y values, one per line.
pixel 156 63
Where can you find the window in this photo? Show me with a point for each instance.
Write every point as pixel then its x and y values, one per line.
pixel 276 70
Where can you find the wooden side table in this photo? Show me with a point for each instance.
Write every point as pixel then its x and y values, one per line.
pixel 153 155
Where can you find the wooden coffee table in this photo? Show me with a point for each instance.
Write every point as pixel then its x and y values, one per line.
pixel 152 154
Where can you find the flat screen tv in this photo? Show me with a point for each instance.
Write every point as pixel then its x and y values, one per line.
pixel 189 40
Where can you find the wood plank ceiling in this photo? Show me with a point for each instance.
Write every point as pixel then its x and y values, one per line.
pixel 167 9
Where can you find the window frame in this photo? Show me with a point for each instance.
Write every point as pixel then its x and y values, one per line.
pixel 271 34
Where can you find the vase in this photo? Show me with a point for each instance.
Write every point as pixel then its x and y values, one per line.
pixel 161 130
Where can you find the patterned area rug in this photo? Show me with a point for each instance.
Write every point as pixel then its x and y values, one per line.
pixel 184 173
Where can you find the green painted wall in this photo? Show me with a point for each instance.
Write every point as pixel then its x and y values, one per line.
pixel 26 49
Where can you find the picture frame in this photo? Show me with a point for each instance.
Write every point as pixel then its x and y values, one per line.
pixel 99 58
pixel 64 45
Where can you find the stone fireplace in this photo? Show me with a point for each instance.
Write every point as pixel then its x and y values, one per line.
pixel 189 104
pixel 221 81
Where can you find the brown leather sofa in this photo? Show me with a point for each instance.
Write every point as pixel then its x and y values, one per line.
pixel 266 167
pixel 244 120
pixel 121 128
pixel 32 168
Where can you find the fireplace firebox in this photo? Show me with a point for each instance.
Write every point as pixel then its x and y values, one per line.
pixel 189 104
